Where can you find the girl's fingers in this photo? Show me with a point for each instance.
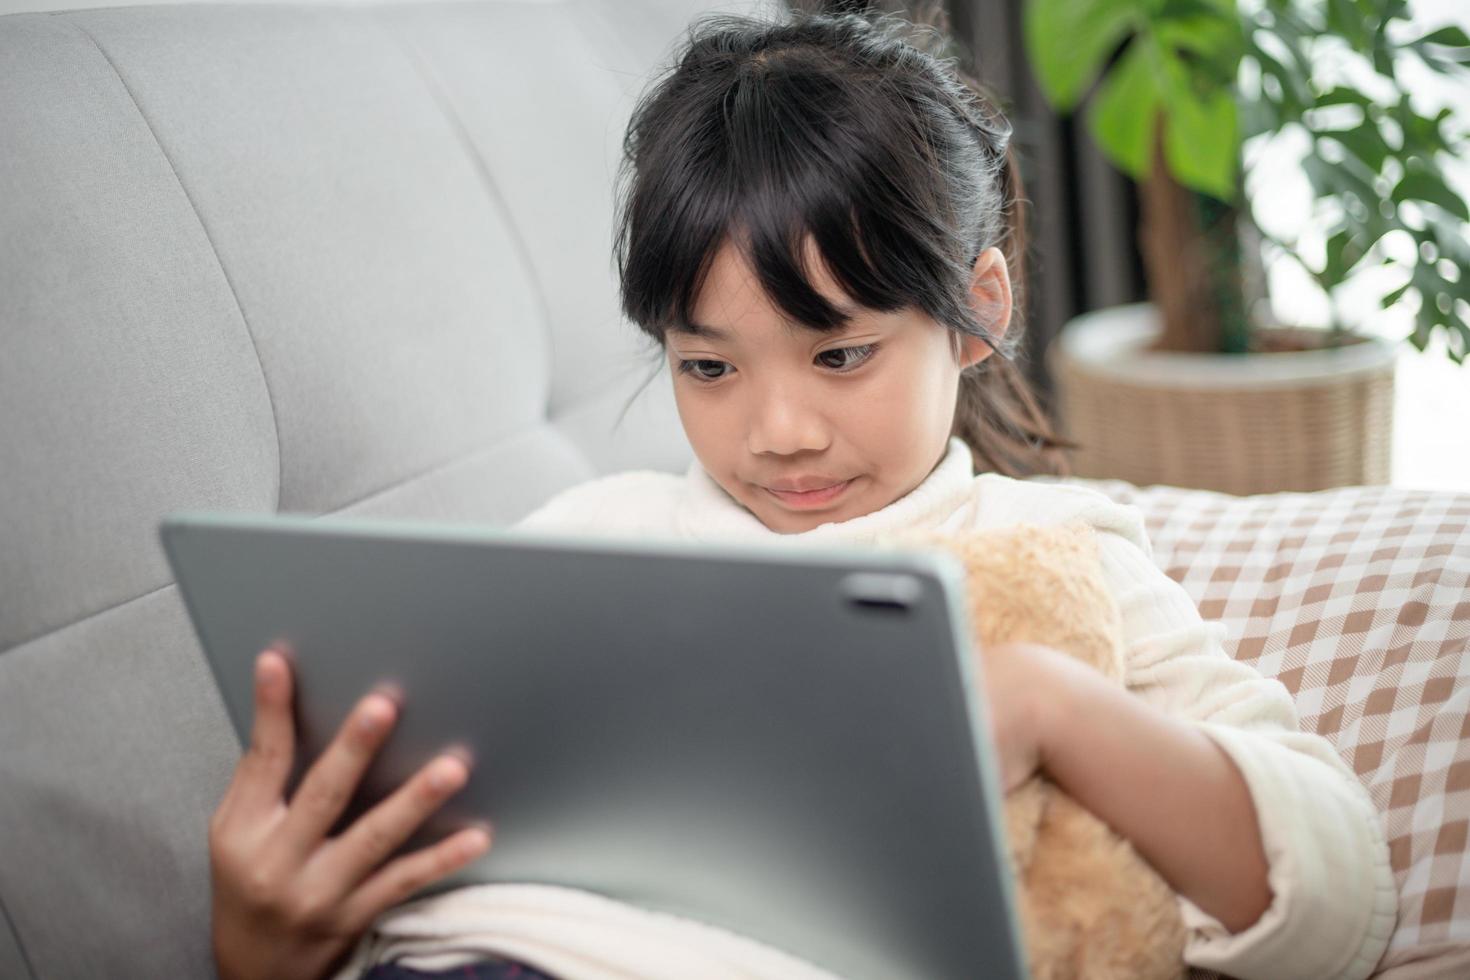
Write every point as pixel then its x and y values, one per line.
pixel 332 779
pixel 260 777
pixel 359 850
pixel 406 875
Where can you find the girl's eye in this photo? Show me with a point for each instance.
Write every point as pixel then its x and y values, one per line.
pixel 846 358
pixel 704 369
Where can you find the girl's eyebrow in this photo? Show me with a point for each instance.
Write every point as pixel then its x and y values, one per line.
pixel 700 330
pixel 693 329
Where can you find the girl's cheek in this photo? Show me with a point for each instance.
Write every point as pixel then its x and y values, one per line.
pixel 889 403
pixel 711 423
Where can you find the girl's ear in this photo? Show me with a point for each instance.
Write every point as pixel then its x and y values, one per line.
pixel 990 299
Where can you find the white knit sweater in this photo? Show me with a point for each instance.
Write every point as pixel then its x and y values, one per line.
pixel 1333 906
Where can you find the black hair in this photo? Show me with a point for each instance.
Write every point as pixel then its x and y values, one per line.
pixel 840 127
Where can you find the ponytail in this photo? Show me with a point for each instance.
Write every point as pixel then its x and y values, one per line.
pixel 997 413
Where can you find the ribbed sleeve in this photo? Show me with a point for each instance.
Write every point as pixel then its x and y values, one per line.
pixel 1333 906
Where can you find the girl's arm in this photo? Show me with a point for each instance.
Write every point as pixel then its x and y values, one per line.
pixel 1160 782
pixel 1205 768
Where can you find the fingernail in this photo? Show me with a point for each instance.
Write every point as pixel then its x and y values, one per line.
pixel 448 773
pixel 390 690
pixel 461 752
pixel 374 716
pixel 265 669
pixel 476 841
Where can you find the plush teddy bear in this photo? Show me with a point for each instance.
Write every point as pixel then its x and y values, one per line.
pixel 1090 907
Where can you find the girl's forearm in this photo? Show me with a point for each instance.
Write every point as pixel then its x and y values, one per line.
pixel 1163 784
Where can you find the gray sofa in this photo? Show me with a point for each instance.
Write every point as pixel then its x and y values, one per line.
pixel 319 259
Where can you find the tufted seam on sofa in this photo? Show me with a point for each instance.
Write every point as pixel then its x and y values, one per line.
pixel 440 99
pixel 84 617
pixel 244 320
pixel 495 446
pixel 8 925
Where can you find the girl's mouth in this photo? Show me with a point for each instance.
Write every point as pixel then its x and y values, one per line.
pixel 804 499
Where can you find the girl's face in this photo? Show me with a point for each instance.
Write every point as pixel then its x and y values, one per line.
pixel 805 427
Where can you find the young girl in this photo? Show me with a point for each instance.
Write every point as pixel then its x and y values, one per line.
pixel 821 229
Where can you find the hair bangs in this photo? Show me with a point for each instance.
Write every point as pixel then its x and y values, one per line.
pixel 801 190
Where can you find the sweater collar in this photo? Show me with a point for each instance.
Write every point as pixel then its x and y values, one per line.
pixel 707 513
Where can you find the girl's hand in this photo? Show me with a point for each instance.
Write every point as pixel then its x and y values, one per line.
pixel 287 901
pixel 1019 681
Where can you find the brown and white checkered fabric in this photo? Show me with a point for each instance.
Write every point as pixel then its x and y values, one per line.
pixel 1358 600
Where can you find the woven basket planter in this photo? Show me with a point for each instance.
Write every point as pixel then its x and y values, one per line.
pixel 1240 424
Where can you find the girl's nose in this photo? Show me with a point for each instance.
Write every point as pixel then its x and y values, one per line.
pixel 783 423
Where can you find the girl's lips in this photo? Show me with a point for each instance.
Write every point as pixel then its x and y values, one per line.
pixel 802 499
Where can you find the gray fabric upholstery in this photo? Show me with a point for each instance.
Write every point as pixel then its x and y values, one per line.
pixel 12 960
pixel 315 259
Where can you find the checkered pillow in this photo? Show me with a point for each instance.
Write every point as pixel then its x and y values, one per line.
pixel 1358 600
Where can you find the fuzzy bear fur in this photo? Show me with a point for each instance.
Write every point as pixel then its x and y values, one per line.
pixel 1090 907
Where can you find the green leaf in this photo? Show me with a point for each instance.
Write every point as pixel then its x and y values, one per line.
pixel 1125 112
pixel 1383 56
pixel 1347 23
pixel 1201 139
pixel 1425 320
pixel 1348 246
pixel 1446 50
pixel 1343 96
pixel 1292 75
pixel 1210 37
pixel 1449 37
pixel 1257 116
pixel 1452 238
pixel 1364 141
pixel 1451 65
pixel 1192 8
pixel 1391 8
pixel 1394 296
pixel 1423 136
pixel 1184 9
pixel 1418 185
pixel 1069 41
pixel 1336 266
pixel 1335 180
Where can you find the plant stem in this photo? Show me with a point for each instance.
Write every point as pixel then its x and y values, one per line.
pixel 1175 260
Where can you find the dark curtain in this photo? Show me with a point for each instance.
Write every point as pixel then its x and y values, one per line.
pixel 1083 217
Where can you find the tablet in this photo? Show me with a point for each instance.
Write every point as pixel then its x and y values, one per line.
pixel 783 742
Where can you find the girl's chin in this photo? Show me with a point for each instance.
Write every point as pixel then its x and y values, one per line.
pixel 783 523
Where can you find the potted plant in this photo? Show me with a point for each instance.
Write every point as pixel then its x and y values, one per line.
pixel 1199 387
